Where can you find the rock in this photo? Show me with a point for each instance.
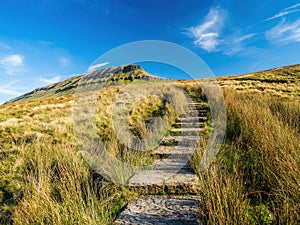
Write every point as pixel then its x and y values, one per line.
pixel 175 210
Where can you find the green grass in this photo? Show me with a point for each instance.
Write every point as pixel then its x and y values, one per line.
pixel 256 177
pixel 254 180
pixel 44 179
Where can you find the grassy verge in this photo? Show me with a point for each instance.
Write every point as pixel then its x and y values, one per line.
pixel 256 177
pixel 44 179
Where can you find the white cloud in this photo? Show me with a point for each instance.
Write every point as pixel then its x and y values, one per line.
pixel 293 6
pixel 235 43
pixel 281 14
pixel 12 63
pixel 50 80
pixel 4 46
pixel 206 35
pixel 284 12
pixel 12 60
pixel 63 61
pixel 284 33
pixel 9 89
pixel 212 36
pixel 96 67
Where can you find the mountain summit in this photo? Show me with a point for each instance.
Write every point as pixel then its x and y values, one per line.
pixel 126 73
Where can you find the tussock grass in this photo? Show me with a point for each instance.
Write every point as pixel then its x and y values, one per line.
pixel 254 180
pixel 256 177
pixel 43 177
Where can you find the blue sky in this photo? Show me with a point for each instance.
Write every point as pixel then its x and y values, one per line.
pixel 45 41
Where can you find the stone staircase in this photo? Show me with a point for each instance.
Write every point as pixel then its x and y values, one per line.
pixel 169 187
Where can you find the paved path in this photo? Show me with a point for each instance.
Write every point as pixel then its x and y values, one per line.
pixel 170 185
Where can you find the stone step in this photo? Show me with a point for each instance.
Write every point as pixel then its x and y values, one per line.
pixel 187 131
pixel 189 124
pixel 157 181
pixel 171 175
pixel 192 119
pixel 198 106
pixel 193 113
pixel 174 164
pixel 176 210
pixel 175 151
pixel 180 140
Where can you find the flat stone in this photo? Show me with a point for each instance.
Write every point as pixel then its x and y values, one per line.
pixel 171 175
pixel 198 106
pixel 175 151
pixel 175 210
pixel 189 124
pixel 172 164
pixel 192 119
pixel 188 131
pixel 182 140
pixel 194 112
pixel 155 182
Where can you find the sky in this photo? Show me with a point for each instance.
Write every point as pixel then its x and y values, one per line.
pixel 45 41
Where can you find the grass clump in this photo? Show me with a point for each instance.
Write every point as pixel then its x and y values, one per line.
pixel 256 176
pixel 43 177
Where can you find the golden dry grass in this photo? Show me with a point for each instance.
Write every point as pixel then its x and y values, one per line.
pixel 44 179
pixel 254 180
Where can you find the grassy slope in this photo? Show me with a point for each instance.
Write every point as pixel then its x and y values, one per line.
pixel 281 82
pixel 256 177
pixel 43 180
pixel 68 86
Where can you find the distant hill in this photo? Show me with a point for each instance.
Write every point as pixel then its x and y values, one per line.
pixel 282 81
pixel 125 73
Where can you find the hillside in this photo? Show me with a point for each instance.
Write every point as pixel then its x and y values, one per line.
pixel 45 180
pixel 126 73
pixel 281 82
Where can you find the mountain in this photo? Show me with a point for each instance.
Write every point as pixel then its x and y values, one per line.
pixel 127 73
pixel 282 81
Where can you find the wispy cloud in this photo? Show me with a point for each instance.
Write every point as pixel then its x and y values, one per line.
pixel 4 46
pixel 212 35
pixel 50 80
pixel 63 61
pixel 284 12
pixel 12 63
pixel 9 89
pixel 96 66
pixel 236 43
pixel 43 42
pixel 293 6
pixel 207 34
pixel 281 14
pixel 284 33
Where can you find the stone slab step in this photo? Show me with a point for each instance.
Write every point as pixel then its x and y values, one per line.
pixel 171 175
pixel 173 164
pixel 188 131
pixel 175 151
pixel 192 119
pixel 191 113
pixel 155 182
pixel 175 210
pixel 198 106
pixel 188 124
pixel 180 140
pixel 191 110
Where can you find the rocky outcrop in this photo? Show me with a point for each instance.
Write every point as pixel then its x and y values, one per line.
pixel 68 86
